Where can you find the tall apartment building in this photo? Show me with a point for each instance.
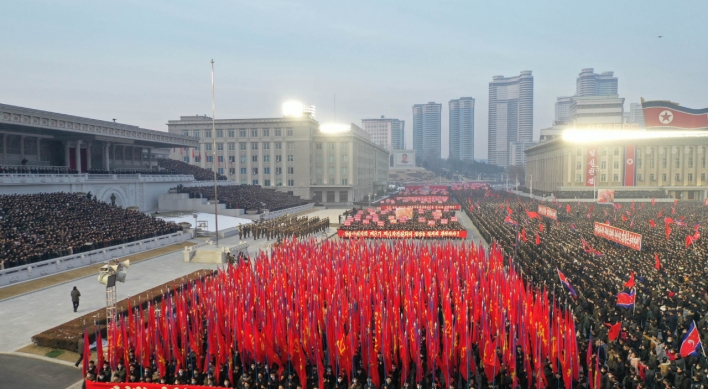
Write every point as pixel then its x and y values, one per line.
pixel 510 115
pixel 427 129
pixel 462 128
pixel 596 110
pixel 636 114
pixel 289 154
pixel 385 132
pixel 562 115
pixel 590 83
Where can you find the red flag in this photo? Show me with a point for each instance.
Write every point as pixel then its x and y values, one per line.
pixel 86 352
pixel 523 234
pixel 624 217
pixel 653 201
pixel 614 331
pixel 657 264
pixel 538 239
pixel 668 231
pixel 540 227
pixel 99 351
pixel 630 283
pixel 651 222
pixel 567 208
pixel 531 214
pixel 689 240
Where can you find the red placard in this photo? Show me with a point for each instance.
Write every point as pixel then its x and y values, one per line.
pixel 137 385
pixel 547 212
pixel 431 222
pixel 421 220
pixel 590 171
pixel 423 207
pixel 402 234
pixel 623 237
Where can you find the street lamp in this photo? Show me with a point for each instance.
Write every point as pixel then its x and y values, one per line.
pixel 594 169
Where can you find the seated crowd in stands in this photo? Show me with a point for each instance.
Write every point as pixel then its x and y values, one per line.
pixel 249 197
pixel 588 194
pixel 48 225
pixel 180 167
pixel 37 170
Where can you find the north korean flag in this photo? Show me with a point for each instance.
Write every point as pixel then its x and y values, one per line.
pixel 566 283
pixel 626 300
pixel 691 342
pixel 668 114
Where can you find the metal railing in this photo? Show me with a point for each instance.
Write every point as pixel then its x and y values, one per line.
pixel 57 265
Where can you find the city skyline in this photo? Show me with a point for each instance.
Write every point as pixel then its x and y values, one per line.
pixel 144 63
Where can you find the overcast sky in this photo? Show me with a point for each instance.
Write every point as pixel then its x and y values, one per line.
pixel 146 62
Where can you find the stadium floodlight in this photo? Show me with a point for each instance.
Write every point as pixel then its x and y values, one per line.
pixel 293 109
pixel 589 136
pixel 334 128
pixel 115 269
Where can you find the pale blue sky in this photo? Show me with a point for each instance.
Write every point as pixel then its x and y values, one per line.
pixel 146 62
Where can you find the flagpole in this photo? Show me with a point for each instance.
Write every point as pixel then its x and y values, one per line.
pixel 213 162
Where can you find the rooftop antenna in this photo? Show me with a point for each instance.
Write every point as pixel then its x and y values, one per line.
pixel 213 161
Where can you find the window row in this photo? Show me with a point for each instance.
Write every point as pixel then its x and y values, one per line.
pixel 242 133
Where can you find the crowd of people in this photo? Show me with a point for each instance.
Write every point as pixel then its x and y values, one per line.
pixel 180 167
pixel 37 170
pixel 343 314
pixel 589 194
pixel 48 225
pixel 671 286
pixel 248 197
pixel 283 227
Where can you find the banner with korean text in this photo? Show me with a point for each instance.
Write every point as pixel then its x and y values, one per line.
pixel 402 234
pixel 590 164
pixel 443 207
pixel 618 235
pixel 547 212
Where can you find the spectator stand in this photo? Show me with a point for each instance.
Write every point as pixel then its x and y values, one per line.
pixel 36 270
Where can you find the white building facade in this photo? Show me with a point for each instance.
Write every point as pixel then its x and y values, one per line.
pixel 386 132
pixel 289 154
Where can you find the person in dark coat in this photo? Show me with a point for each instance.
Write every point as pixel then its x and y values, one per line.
pixel 75 294
pixel 80 350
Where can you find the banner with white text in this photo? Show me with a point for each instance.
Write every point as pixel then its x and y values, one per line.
pixel 548 212
pixel 618 235
pixel 402 234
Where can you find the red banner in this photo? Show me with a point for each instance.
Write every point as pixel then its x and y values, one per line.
pixel 137 385
pixel 402 234
pixel 449 207
pixel 629 160
pixel 420 199
pixel 547 212
pixel 590 170
pixel 623 237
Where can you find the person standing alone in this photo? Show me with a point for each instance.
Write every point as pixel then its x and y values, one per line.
pixel 75 294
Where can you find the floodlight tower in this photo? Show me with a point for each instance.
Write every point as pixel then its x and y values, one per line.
pixel 108 274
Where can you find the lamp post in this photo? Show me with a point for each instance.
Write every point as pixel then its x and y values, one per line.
pixel 594 169
pixel 213 161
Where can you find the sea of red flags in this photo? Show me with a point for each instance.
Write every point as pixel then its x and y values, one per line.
pixel 393 298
